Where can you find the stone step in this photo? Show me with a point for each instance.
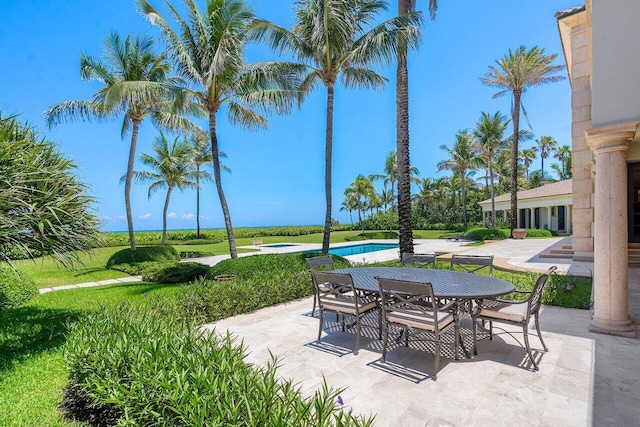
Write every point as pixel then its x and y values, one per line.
pixel 554 255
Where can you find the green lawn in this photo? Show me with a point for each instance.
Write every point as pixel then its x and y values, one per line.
pixel 32 374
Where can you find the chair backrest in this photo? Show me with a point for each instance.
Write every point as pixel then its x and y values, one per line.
pixel 426 260
pixel 408 299
pixel 472 263
pixel 334 289
pixel 324 263
pixel 534 301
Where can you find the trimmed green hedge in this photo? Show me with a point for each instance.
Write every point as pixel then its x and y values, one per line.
pixel 373 235
pixel 487 234
pixel 143 254
pixel 135 367
pixel 173 272
pixel 15 288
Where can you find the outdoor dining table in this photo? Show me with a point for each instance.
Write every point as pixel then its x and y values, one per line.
pixel 459 287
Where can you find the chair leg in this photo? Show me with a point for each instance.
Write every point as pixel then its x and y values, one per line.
pixel 384 343
pixel 475 336
pixel 313 310
pixel 379 324
pixel 456 347
pixel 406 337
pixel 436 362
pixel 321 323
pixel 525 331
pixel 359 329
pixel 342 321
pixel 540 334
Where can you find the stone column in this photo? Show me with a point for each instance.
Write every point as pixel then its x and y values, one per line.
pixel 567 219
pixel 549 219
pixel 504 215
pixel 611 253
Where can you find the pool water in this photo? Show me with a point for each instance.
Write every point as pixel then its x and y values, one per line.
pixel 362 248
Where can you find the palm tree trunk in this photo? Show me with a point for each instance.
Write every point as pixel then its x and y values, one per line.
pixel 215 159
pixel 393 196
pixel 515 116
pixel 164 216
pixel 127 183
pixel 464 201
pixel 402 143
pixel 493 198
pixel 198 202
pixel 360 217
pixel 327 170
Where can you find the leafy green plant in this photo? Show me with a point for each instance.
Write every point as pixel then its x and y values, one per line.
pixel 155 370
pixel 15 288
pixel 373 235
pixel 173 272
pixel 487 234
pixel 538 232
pixel 143 254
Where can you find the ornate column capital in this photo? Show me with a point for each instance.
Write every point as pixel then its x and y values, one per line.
pixel 610 138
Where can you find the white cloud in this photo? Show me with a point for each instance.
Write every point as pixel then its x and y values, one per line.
pixel 121 216
pixel 171 215
pixel 204 217
pixel 107 218
pixel 145 216
pixel 189 216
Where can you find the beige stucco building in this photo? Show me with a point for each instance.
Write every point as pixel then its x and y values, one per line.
pixel 546 207
pixel 600 40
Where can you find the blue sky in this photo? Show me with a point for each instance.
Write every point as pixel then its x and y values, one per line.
pixel 277 175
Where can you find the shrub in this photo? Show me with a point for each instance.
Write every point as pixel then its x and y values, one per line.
pixel 173 272
pixel 152 370
pixel 194 254
pixel 143 254
pixel 538 232
pixel 15 288
pixel 487 234
pixel 373 235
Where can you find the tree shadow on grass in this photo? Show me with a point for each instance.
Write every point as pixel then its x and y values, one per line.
pixel 27 331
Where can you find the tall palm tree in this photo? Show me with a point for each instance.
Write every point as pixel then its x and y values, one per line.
pixel 539 178
pixel 528 155
pixel 515 72
pixel 563 153
pixel 135 84
pixel 402 133
pixel 462 161
pixel 331 38
pixel 208 49
pixel 390 175
pixel 488 135
pixel 201 145
pixel 172 167
pixel 361 191
pixel 546 145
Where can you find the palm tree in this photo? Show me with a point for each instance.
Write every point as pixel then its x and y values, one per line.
pixel 516 72
pixel 563 153
pixel 331 39
pixel 528 155
pixel 135 84
pixel 488 135
pixel 546 145
pixel 201 145
pixel 539 178
pixel 462 161
pixel 402 133
pixel 361 190
pixel 208 49
pixel 349 203
pixel 172 166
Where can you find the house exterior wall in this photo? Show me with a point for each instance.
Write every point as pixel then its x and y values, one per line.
pixel 576 38
pixel 616 65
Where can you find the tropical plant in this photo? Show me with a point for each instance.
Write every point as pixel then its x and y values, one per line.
pixel 44 209
pixel 563 153
pixel 528 155
pixel 514 73
pixel 488 136
pixel 539 178
pixel 201 157
pixel 405 7
pixel 208 49
pixel 361 190
pixel 135 84
pixel 546 145
pixel 330 38
pixel 462 161
pixel 173 168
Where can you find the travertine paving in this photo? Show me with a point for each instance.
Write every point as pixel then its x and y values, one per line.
pixel 584 379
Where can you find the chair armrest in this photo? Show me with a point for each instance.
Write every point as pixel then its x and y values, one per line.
pixel 506 301
pixel 518 291
pixel 447 306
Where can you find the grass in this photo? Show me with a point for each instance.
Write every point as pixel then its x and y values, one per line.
pixel 32 374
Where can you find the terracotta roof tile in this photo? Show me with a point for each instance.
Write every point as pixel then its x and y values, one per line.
pixel 559 188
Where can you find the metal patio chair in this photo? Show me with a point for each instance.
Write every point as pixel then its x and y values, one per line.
pixel 411 307
pixel 321 263
pixel 518 313
pixel 419 260
pixel 336 294
pixel 472 263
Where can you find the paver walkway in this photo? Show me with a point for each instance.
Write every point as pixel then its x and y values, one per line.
pixel 129 279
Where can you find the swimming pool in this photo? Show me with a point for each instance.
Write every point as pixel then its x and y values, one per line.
pixel 362 248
